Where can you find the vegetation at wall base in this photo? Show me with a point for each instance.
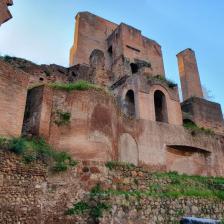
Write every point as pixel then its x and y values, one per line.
pixel 176 185
pixel 113 164
pixel 99 200
pixel 78 85
pixel 36 149
pixel 94 205
pixel 182 185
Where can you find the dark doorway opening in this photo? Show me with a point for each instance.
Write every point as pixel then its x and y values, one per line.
pixel 134 68
pixel 130 103
pixel 110 51
pixel 160 106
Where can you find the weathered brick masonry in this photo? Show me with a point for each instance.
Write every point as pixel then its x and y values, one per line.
pixel 30 194
pixel 134 116
pixel 132 113
pixel 13 91
pixel 5 15
pixel 98 131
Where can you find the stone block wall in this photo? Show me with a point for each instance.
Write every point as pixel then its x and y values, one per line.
pixel 31 194
pixel 13 92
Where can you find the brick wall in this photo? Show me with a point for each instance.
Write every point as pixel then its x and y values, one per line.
pixel 204 113
pixel 13 91
pixel 125 42
pixel 98 131
pixel 5 15
pixel 189 75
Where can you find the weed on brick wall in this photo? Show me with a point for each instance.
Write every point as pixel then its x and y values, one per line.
pixel 62 118
pixel 117 164
pixel 94 205
pixel 194 129
pixel 160 78
pixel 36 149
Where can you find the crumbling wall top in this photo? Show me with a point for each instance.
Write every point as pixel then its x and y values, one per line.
pixel 5 14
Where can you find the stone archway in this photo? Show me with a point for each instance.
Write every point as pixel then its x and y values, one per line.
pixel 128 149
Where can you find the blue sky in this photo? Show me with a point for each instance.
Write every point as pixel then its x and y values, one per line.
pixel 42 31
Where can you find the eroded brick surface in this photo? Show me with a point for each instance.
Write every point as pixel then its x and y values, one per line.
pixel 13 91
pixel 5 14
pixel 29 194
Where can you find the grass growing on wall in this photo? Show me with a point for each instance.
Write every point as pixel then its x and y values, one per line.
pixel 63 118
pixel 195 129
pixel 164 80
pixel 79 85
pixel 181 187
pixel 187 186
pixel 114 164
pixel 158 185
pixel 171 184
pixel 93 206
pixel 37 149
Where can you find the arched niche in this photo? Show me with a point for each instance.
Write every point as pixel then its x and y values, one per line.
pixel 128 149
pixel 129 103
pixel 97 59
pixel 188 159
pixel 160 106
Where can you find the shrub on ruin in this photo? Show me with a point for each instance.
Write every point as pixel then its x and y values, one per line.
pixel 115 164
pixel 62 118
pixel 194 129
pixel 36 149
pixel 94 205
pixel 160 78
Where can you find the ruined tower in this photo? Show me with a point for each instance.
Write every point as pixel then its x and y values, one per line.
pixel 124 49
pixel 189 75
pixel 196 109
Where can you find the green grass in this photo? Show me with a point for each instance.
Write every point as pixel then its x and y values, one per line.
pixel 62 118
pixel 79 85
pixel 78 208
pixel 186 186
pixel 162 79
pixel 174 185
pixel 36 149
pixel 195 129
pixel 114 164
pixel 93 206
pixel 160 185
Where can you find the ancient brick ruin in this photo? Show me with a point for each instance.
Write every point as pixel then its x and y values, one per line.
pixel 136 117
pixel 5 14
